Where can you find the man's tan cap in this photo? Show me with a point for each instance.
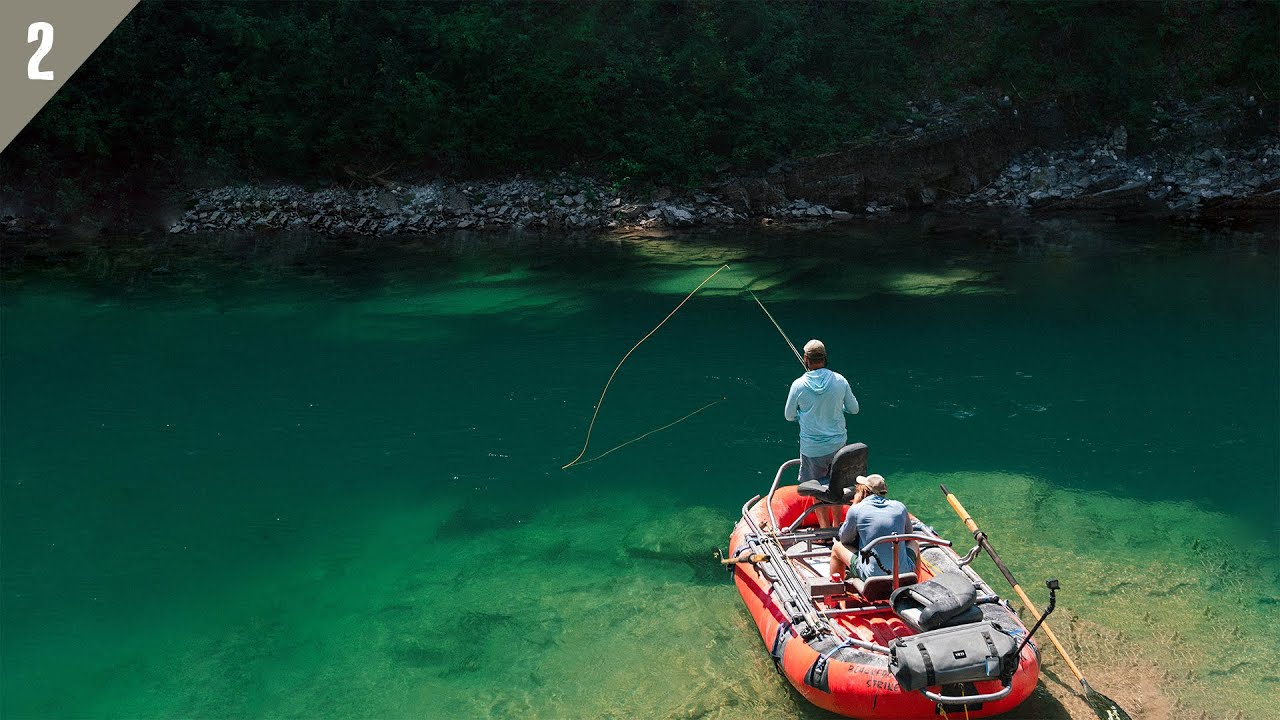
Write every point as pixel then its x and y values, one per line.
pixel 874 483
pixel 815 349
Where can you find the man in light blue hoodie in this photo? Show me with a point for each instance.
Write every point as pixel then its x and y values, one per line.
pixel 819 399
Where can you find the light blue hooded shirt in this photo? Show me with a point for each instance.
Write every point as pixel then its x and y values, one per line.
pixel 819 399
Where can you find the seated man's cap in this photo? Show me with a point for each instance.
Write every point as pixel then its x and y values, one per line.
pixel 815 348
pixel 875 483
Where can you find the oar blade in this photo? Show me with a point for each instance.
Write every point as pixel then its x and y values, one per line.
pixel 1105 707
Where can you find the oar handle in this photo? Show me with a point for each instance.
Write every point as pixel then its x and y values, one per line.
pixel 749 559
pixel 964 514
pixel 1026 601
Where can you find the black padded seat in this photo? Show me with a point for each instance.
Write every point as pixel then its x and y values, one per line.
pixel 850 462
pixel 880 586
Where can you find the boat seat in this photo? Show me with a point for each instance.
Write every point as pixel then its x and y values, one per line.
pixel 880 586
pixel 850 462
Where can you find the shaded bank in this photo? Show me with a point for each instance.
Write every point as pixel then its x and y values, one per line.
pixel 680 94
pixel 1235 183
pixel 1216 162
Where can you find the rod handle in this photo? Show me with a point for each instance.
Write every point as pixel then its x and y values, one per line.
pixel 749 559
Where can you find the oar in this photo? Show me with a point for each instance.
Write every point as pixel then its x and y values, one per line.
pixel 1105 707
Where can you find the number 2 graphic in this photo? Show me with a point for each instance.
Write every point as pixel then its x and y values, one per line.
pixel 43 32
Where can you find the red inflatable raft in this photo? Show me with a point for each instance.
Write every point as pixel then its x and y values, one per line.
pixel 843 645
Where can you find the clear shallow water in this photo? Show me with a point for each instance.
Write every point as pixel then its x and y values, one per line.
pixel 337 493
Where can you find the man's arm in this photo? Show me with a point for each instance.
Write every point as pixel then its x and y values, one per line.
pixel 848 532
pixel 850 402
pixel 793 403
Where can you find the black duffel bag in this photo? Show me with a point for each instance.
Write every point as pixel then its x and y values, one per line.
pixel 968 653
pixel 944 601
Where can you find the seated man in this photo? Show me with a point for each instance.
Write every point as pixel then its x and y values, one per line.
pixel 872 516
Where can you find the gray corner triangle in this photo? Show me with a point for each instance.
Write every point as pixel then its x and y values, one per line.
pixel 78 27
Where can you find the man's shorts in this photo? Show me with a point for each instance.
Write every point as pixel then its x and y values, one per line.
pixel 816 468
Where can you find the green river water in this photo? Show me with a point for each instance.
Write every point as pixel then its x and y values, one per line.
pixel 335 489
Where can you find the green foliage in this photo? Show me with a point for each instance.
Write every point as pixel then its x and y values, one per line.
pixel 648 90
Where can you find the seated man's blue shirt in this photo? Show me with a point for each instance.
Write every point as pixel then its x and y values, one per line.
pixel 873 518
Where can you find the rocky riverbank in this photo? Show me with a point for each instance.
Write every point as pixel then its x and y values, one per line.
pixel 1218 160
pixel 1098 175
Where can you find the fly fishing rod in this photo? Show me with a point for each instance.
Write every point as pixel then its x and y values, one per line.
pixel 769 315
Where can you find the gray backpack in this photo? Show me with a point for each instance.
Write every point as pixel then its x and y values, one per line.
pixel 967 653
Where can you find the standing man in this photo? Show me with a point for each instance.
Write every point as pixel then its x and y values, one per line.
pixel 819 399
